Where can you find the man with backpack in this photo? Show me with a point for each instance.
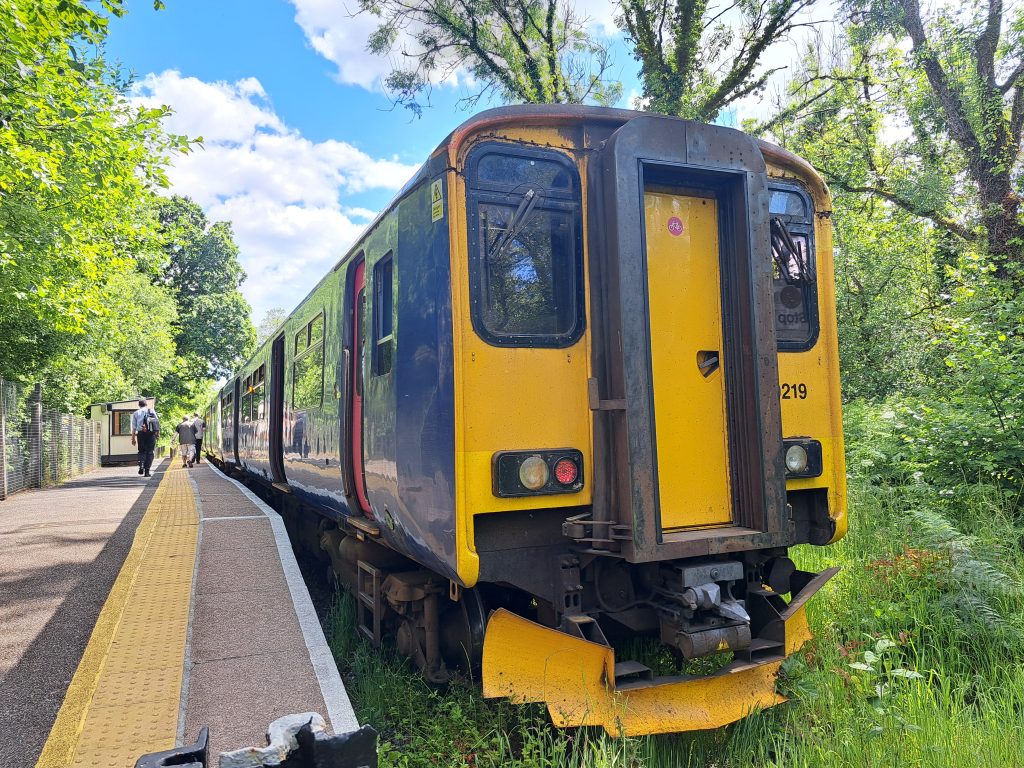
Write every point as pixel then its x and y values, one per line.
pixel 145 430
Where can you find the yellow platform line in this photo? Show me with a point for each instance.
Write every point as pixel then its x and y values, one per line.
pixel 124 698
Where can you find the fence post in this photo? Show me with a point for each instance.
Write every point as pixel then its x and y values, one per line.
pixel 36 434
pixel 3 439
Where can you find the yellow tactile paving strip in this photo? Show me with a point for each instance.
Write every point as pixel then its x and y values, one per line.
pixel 125 696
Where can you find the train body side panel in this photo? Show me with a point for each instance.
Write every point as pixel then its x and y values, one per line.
pixel 818 413
pixel 408 403
pixel 314 393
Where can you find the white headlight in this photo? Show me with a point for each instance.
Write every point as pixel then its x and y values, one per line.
pixel 796 459
pixel 534 473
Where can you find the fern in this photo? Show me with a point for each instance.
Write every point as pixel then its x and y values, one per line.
pixel 978 592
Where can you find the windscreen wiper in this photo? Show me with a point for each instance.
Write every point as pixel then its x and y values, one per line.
pixel 785 251
pixel 518 221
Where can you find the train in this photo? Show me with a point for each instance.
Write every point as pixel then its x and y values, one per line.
pixel 578 384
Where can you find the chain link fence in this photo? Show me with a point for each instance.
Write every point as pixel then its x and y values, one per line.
pixel 39 447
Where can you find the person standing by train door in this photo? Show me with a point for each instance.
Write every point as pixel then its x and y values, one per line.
pixel 186 442
pixel 200 429
pixel 145 431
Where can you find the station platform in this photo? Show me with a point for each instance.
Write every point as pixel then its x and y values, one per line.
pixel 143 610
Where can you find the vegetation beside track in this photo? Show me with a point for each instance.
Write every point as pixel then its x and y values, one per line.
pixel 917 660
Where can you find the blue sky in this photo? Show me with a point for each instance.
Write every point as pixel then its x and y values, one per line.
pixel 301 145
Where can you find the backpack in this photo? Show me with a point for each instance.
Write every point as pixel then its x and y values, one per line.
pixel 150 423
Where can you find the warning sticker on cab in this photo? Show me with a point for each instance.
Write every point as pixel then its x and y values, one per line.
pixel 436 201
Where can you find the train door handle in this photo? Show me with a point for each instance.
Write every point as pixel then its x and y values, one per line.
pixel 707 362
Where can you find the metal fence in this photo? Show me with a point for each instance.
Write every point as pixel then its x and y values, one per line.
pixel 40 447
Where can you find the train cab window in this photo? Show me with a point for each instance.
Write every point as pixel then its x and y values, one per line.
pixel 308 368
pixel 526 263
pixel 794 285
pixel 383 314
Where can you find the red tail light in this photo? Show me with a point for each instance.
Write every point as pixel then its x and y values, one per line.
pixel 566 471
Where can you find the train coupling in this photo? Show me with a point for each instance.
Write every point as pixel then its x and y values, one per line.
pixel 698 613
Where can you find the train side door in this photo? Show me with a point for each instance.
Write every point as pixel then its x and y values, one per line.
pixel 358 305
pixel 276 426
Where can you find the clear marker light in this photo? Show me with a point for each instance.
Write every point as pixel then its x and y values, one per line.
pixel 534 473
pixel 796 459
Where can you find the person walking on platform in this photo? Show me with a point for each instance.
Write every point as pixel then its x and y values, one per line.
pixel 200 429
pixel 186 442
pixel 145 431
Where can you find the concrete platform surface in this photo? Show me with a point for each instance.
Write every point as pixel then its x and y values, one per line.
pixel 60 551
pixel 205 621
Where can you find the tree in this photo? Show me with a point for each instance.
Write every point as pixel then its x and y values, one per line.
pixel 78 170
pixel 126 351
pixel 929 302
pixel 956 80
pixel 693 63
pixel 526 51
pixel 203 273
pixel 271 321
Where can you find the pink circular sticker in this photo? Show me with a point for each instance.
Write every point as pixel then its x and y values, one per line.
pixel 675 226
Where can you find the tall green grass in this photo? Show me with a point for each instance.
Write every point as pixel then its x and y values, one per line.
pixel 918 660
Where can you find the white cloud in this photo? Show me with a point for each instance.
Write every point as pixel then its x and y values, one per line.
pixel 338 33
pixel 282 192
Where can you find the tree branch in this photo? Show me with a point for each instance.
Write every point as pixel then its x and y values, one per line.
pixel 950 225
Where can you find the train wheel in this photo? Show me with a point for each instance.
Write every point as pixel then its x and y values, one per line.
pixel 462 633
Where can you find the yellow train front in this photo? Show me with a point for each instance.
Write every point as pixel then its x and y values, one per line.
pixel 587 387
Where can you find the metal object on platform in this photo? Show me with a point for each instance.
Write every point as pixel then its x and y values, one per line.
pixel 356 749
pixel 302 741
pixel 192 756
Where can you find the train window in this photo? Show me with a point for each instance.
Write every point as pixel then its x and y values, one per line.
pixel 526 268
pixel 257 393
pixel 245 412
pixel 308 368
pixel 383 314
pixel 227 411
pixel 301 340
pixel 794 285
pixel 122 422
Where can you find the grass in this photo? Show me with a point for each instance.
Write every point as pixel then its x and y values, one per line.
pixel 918 660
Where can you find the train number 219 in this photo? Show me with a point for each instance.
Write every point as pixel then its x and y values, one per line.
pixel 793 391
